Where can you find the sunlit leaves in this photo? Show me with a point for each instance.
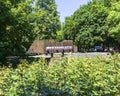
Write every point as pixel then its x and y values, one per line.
pixel 87 26
pixel 76 76
pixel 114 20
pixel 48 22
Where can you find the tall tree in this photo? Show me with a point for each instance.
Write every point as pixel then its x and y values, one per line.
pixel 20 30
pixel 87 26
pixel 114 20
pixel 5 20
pixel 47 19
pixel 15 28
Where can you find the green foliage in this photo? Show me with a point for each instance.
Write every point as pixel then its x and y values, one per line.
pixel 59 35
pixel 87 26
pixel 46 20
pixel 23 81
pixel 15 29
pixel 96 23
pixel 114 19
pixel 23 21
pixel 74 76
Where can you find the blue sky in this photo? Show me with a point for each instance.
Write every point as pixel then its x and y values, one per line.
pixel 68 7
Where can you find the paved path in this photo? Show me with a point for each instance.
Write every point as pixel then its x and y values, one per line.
pixel 90 54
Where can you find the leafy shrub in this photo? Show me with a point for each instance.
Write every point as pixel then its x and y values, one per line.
pixel 73 76
pixel 24 80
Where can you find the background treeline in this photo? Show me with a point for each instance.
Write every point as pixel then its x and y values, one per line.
pixel 22 21
pixel 97 23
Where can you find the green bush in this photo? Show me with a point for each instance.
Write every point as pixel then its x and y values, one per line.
pixel 73 76
pixel 24 80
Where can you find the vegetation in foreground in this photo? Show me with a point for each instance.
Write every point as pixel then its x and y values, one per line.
pixel 97 76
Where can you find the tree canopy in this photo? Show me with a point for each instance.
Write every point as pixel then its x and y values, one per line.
pixel 22 21
pixel 92 24
pixel 114 21
pixel 46 19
